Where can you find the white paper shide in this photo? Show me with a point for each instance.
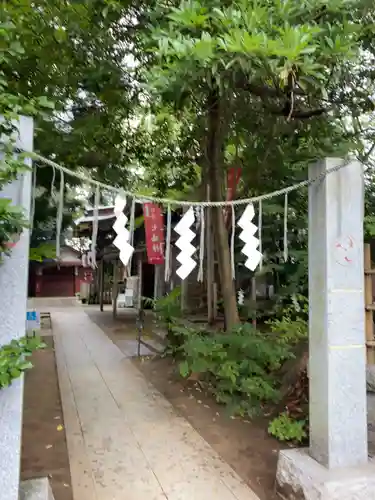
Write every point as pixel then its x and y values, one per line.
pixel 185 245
pixel 123 235
pixel 250 248
pixel 240 297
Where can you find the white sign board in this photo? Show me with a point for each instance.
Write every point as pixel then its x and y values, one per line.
pixel 32 322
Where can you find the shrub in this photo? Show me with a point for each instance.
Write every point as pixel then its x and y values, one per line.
pixel 13 358
pixel 241 367
pixel 168 313
pixel 286 428
pixel 238 365
pixel 292 324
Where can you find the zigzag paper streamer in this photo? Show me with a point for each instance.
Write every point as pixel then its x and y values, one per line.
pixel 184 244
pixel 247 236
pixel 123 235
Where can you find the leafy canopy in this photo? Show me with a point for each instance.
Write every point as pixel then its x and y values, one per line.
pixel 281 44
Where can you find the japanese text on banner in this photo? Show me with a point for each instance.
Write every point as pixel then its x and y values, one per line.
pixel 154 231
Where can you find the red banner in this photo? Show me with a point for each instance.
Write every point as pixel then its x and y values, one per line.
pixel 154 232
pixel 233 178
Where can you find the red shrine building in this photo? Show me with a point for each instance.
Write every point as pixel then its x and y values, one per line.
pixel 63 278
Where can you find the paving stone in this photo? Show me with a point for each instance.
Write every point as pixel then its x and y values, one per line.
pixel 125 440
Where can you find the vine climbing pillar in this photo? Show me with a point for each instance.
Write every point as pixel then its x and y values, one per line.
pixel 13 305
pixel 337 356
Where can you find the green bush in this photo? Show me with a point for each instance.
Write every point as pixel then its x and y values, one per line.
pixel 168 313
pixel 13 358
pixel 168 308
pixel 241 367
pixel 12 222
pixel 291 324
pixel 286 428
pixel 238 365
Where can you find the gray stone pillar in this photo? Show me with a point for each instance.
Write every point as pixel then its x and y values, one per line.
pixel 338 425
pixel 13 304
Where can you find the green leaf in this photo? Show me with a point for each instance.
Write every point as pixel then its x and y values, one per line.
pixel 15 372
pixel 4 379
pixel 44 102
pixel 26 365
pixel 184 369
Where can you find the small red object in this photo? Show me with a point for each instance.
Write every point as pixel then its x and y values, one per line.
pixel 13 242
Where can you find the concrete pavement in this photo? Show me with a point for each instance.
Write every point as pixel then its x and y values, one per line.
pixel 125 440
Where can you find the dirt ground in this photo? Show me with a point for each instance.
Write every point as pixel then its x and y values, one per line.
pixel 44 448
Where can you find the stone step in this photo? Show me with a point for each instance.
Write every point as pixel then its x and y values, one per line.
pixel 36 489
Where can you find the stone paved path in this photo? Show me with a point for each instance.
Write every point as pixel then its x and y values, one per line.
pixel 125 440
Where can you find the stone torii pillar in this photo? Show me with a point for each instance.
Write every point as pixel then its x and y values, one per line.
pixel 13 303
pixel 336 464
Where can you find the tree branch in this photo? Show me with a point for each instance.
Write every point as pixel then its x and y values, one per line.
pixel 302 114
pixel 265 90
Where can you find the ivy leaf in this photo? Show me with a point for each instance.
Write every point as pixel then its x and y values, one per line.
pixel 4 379
pixel 26 365
pixel 15 372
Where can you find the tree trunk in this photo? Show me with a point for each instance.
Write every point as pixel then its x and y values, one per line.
pixel 210 259
pixel 215 162
pixel 209 246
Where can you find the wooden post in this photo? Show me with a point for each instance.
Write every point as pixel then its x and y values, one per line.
pixel 140 280
pixel 115 289
pixel 254 299
pixel 184 295
pixel 158 269
pixel 214 302
pixel 101 285
pixel 369 306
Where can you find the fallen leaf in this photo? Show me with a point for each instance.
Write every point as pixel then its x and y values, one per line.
pixel 59 428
